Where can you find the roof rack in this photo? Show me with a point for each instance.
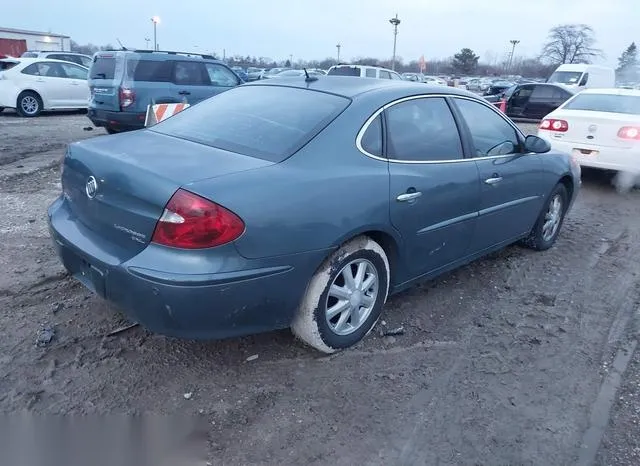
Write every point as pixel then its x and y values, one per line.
pixel 210 57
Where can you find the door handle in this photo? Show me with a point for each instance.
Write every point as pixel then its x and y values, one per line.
pixel 408 196
pixel 184 93
pixel 494 180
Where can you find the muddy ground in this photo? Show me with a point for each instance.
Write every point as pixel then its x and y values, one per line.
pixel 512 360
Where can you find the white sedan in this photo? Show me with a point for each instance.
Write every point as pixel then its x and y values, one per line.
pixel 599 127
pixel 31 85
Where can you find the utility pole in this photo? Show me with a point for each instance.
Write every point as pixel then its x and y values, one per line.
pixel 147 40
pixel 395 21
pixel 338 47
pixel 514 42
pixel 155 20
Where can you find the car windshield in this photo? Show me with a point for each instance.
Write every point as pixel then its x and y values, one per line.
pixel 610 103
pixel 344 71
pixel 265 122
pixel 565 77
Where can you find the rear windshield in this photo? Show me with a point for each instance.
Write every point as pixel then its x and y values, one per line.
pixel 266 122
pixel 344 71
pixel 628 104
pixel 7 65
pixel 30 55
pixel 103 68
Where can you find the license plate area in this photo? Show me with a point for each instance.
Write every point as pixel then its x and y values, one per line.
pixel 578 152
pixel 89 275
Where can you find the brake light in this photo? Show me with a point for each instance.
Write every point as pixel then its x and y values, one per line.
pixel 127 97
pixel 193 222
pixel 551 124
pixel 629 132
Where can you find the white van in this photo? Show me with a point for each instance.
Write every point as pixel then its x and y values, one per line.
pixel 362 71
pixel 581 76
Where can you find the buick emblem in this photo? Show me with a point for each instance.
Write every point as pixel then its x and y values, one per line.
pixel 592 128
pixel 91 188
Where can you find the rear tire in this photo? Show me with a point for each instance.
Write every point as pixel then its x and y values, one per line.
pixel 1 109
pixel 345 297
pixel 545 231
pixel 111 131
pixel 29 104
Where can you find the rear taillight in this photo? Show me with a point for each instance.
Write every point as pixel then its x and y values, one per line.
pixel 629 132
pixel 551 124
pixel 127 97
pixel 193 222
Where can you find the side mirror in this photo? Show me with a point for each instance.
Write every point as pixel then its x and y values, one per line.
pixel 536 145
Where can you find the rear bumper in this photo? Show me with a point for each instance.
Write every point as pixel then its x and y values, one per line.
pixel 119 121
pixel 183 294
pixel 608 158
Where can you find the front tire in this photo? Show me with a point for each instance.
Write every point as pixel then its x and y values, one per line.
pixel 345 297
pixel 29 104
pixel 547 227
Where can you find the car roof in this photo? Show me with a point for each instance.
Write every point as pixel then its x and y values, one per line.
pixel 352 86
pixel 613 91
pixel 29 60
pixel 161 55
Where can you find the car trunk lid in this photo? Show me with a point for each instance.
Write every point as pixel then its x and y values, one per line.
pixel 596 128
pixel 118 186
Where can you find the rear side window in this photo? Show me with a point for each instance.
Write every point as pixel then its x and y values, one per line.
pixel 344 71
pixel 422 130
pixel 265 122
pixel 73 71
pixel 103 68
pixel 371 73
pixel 154 71
pixel 385 74
pixel 609 103
pixel 542 93
pixel 372 138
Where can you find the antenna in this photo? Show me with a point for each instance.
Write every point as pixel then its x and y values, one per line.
pixel 306 73
pixel 122 46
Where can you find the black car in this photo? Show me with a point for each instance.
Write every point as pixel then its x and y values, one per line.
pixel 532 101
pixel 497 88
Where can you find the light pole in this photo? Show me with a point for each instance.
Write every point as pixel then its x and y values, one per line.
pixel 155 20
pixel 514 42
pixel 395 21
pixel 338 47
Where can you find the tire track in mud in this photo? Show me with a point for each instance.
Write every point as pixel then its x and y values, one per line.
pixel 551 307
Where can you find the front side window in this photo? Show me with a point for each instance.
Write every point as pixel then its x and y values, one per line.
pixel 221 76
pixel 490 133
pixel 385 74
pixel 422 130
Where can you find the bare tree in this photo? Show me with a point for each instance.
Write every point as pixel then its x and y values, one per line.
pixel 570 43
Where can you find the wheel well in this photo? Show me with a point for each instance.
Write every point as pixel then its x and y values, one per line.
pixel 388 243
pixel 30 91
pixel 568 184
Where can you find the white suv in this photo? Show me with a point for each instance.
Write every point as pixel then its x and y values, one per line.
pixel 363 71
pixel 79 58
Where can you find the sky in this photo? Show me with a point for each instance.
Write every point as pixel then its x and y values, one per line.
pixel 310 29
